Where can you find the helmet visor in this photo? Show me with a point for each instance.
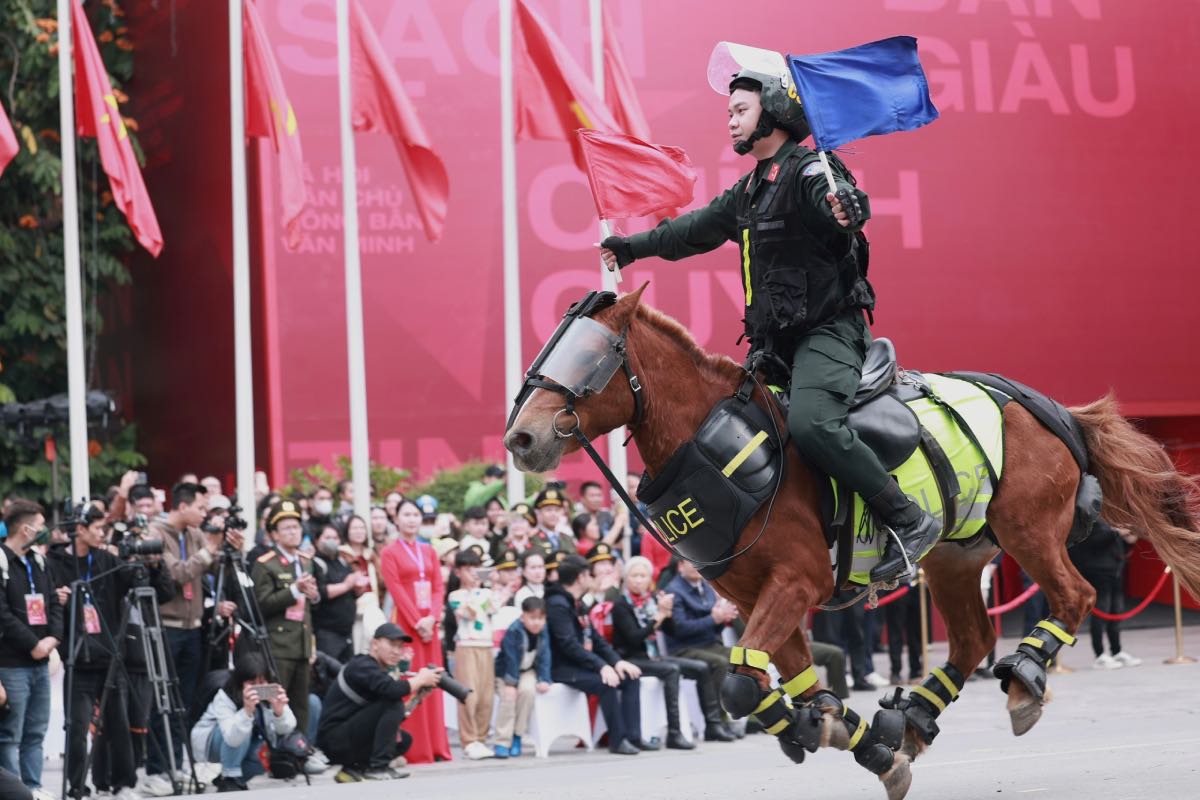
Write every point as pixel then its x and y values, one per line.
pixel 584 359
pixel 730 58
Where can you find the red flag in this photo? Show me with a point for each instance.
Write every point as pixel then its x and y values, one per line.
pixel 379 103
pixel 99 117
pixel 553 97
pixel 269 114
pixel 8 141
pixel 631 178
pixel 618 86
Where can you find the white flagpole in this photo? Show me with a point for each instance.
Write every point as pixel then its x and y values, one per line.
pixel 828 171
pixel 243 364
pixel 617 461
pixel 76 379
pixel 512 266
pixel 355 350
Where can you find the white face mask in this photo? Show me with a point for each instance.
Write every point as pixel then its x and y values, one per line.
pixel 323 508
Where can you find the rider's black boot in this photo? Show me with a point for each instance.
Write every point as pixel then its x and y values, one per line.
pixel 917 529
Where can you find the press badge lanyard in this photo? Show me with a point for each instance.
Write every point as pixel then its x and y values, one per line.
pixel 422 589
pixel 29 572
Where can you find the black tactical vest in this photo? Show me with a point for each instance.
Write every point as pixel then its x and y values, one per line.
pixel 794 280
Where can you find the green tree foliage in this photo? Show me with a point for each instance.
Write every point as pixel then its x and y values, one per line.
pixel 33 360
pixel 383 478
pixel 449 485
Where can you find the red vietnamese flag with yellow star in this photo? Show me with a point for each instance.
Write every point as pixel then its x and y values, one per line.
pixel 99 117
pixel 269 115
pixel 553 96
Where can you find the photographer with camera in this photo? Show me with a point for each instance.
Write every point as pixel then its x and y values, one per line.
pixel 30 628
pixel 360 724
pixel 104 581
pixel 286 589
pixel 188 554
pixel 231 729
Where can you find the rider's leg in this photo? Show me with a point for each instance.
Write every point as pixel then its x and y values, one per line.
pixel 826 370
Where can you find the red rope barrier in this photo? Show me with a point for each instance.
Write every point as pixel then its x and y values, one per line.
pixel 1140 607
pixel 1016 601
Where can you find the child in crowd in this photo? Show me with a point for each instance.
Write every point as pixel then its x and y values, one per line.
pixel 475 532
pixel 522 668
pixel 474 664
pixel 533 573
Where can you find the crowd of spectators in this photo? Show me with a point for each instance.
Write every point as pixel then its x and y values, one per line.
pixel 314 631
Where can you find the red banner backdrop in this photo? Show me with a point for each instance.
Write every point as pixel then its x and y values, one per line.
pixel 1034 230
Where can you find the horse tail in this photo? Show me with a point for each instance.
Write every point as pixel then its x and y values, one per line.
pixel 1143 491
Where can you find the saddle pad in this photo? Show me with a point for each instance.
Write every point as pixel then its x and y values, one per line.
pixel 917 480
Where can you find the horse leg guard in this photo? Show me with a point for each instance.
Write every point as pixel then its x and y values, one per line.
pixel 1034 654
pixel 874 746
pixel 925 702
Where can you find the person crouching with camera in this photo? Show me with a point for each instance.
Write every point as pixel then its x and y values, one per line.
pixel 91 585
pixel 231 729
pixel 360 723
pixel 286 589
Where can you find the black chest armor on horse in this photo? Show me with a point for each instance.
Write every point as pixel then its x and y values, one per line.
pixel 793 279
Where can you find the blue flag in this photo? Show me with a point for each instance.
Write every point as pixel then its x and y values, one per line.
pixel 863 91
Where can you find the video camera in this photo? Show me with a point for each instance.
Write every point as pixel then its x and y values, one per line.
pixel 130 541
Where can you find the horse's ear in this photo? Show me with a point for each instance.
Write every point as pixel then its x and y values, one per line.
pixel 626 307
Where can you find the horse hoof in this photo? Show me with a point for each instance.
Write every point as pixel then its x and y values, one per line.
pixel 1023 709
pixel 1025 716
pixel 897 779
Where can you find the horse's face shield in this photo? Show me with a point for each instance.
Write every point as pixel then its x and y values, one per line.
pixel 580 361
pixel 584 360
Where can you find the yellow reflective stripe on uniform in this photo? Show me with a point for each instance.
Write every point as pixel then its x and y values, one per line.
pixel 744 453
pixel 930 696
pixel 746 264
pixel 737 656
pixel 801 683
pixel 945 679
pixel 1029 640
pixel 858 734
pixel 768 701
pixel 1058 632
pixel 775 729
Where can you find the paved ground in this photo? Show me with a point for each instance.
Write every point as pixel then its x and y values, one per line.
pixel 1117 735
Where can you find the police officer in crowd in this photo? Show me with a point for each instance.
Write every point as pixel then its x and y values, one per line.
pixel 550 505
pixel 286 589
pixel 803 261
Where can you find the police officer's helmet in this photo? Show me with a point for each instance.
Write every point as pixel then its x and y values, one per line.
pixel 780 101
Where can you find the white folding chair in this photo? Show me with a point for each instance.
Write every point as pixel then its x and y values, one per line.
pixel 560 712
pixel 653 711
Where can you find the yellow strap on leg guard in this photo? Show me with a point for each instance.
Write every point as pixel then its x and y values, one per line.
pixel 1058 632
pixel 938 702
pixel 801 683
pixel 758 659
pixel 940 674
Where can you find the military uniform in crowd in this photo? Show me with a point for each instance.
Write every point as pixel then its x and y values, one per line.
pixel 288 618
pixel 552 540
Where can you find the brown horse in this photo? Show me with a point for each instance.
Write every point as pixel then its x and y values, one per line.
pixel 1030 516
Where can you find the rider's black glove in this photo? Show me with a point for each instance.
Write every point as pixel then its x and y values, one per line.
pixel 621 249
pixel 857 212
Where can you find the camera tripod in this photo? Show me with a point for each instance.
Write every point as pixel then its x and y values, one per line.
pixel 249 614
pixel 140 609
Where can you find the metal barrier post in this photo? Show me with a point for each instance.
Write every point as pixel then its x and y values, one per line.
pixel 1179 658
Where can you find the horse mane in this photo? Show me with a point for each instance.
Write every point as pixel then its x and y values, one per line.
pixel 718 365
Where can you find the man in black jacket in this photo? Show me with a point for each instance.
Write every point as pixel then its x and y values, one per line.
pixel 339 586
pixel 582 659
pixel 31 626
pixel 97 614
pixel 365 706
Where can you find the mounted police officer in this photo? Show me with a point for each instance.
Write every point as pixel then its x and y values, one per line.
pixel 803 260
